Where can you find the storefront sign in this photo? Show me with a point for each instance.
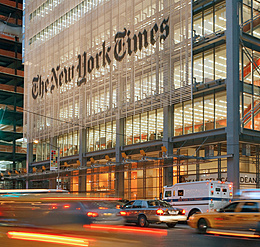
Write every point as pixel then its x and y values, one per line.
pixel 246 178
pixel 124 44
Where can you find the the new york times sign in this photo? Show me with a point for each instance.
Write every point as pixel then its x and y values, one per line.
pixel 125 44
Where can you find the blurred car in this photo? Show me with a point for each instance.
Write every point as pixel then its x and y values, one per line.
pixel 104 212
pixel 238 215
pixel 30 211
pixel 143 212
pixel 58 211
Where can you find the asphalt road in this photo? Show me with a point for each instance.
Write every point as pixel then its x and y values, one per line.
pixel 181 235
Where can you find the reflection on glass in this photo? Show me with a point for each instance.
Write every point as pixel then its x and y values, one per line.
pixel 188 113
pixel 220 17
pixel 247 120
pixel 209 112
pixel 136 128
pixel 129 131
pixel 178 124
pixel 208 66
pixel 208 21
pixel 144 127
pixel 152 126
pixel 256 113
pixel 221 110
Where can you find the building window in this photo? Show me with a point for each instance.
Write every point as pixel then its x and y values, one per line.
pixel 136 128
pixel 198 115
pixel 144 122
pixel 209 112
pixel 203 113
pixel 144 127
pixel 220 110
pixel 129 130
pixel 100 137
pixel 210 65
pixel 178 117
pixel 188 117
pixel 152 126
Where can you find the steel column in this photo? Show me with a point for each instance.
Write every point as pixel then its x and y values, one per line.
pixel 232 82
pixel 119 174
pixel 29 160
pixel 167 134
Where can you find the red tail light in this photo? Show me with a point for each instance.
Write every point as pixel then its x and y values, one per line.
pixel 66 206
pixel 159 211
pixel 92 214
pixel 122 213
pixel 183 212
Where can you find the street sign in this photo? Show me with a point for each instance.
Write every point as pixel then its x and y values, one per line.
pixel 54 160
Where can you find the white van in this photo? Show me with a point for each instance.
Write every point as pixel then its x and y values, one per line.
pixel 200 196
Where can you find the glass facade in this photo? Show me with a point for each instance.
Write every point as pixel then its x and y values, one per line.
pixel 100 137
pixel 144 127
pixel 210 20
pixel 143 180
pixel 68 144
pixel 250 17
pixel 100 181
pixel 106 96
pixel 203 113
pixel 210 65
pixel 250 76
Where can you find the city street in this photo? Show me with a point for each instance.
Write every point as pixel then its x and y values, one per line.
pixel 181 235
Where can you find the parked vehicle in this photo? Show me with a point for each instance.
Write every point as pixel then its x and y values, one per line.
pixel 143 212
pixel 238 215
pixel 199 197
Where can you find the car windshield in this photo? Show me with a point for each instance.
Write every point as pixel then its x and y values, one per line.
pixel 156 203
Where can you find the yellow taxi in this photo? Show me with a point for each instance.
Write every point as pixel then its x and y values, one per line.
pixel 238 215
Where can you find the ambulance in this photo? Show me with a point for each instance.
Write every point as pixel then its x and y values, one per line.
pixel 200 196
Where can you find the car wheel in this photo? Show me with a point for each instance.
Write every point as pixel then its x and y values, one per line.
pixel 171 225
pixel 142 221
pixel 202 226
